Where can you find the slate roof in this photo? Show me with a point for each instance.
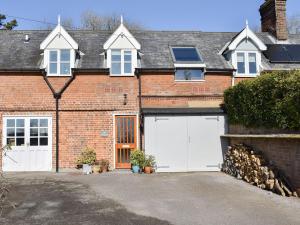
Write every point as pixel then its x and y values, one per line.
pixel 15 54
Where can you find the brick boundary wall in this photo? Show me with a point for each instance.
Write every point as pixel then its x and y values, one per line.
pixel 284 153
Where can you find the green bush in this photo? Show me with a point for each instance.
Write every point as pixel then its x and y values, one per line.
pixel 87 156
pixel 137 158
pixel 271 100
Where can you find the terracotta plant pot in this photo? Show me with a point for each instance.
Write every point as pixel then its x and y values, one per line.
pixel 104 169
pixel 148 169
pixel 96 169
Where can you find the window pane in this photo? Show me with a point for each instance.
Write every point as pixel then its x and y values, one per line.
pixel 34 122
pixel 10 123
pixel 189 74
pixel 127 68
pixel 116 55
pixel 53 56
pixel 43 122
pixel 20 141
pixel 43 131
pixel 252 63
pixel 20 122
pixel 65 68
pixel 53 68
pixel 186 54
pixel 65 55
pixel 43 141
pixel 241 63
pixel 34 141
pixel 20 132
pixel 10 132
pixel 10 141
pixel 127 56
pixel 34 131
pixel 116 68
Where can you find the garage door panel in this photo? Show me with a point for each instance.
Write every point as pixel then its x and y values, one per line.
pixel 166 137
pixel 204 150
pixel 185 143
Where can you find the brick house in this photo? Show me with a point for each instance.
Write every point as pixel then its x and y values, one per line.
pixel 161 91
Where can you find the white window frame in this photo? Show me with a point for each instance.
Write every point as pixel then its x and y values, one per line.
pixel 122 62
pixel 191 68
pixel 59 62
pixel 247 70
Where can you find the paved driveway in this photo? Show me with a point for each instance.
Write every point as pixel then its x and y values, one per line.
pixel 189 199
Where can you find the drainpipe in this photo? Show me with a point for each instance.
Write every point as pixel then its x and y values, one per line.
pixel 57 96
pixel 138 74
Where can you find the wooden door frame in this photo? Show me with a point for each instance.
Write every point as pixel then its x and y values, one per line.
pixel 136 114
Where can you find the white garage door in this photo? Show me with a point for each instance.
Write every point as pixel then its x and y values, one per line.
pixel 31 144
pixel 185 143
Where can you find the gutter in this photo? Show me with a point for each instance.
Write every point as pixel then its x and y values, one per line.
pixel 141 119
pixel 57 96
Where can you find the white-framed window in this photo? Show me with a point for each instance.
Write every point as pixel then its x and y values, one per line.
pixel 247 63
pixel 121 62
pixel 189 74
pixel 60 62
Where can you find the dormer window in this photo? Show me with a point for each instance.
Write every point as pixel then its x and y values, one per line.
pixel 121 62
pixel 59 62
pixel 247 63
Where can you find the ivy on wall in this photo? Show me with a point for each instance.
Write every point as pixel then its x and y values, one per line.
pixel 272 100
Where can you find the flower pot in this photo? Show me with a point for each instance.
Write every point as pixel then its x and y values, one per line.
pixel 87 169
pixel 96 169
pixel 148 169
pixel 135 169
pixel 104 169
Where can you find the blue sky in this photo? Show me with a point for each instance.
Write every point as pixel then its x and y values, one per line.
pixel 205 15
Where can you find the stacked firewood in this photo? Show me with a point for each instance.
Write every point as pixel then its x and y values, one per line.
pixel 243 162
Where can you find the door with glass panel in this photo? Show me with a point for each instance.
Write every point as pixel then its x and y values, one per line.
pixel 125 140
pixel 30 139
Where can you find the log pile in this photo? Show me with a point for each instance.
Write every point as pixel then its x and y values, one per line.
pixel 243 162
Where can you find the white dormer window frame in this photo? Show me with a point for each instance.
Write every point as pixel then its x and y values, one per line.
pixel 124 42
pixel 247 70
pixel 59 62
pixel 124 61
pixel 58 41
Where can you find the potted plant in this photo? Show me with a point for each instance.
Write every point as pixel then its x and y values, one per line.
pixel 87 158
pixel 96 167
pixel 104 164
pixel 149 164
pixel 137 158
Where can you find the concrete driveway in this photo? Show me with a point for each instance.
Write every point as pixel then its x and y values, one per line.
pixel 186 198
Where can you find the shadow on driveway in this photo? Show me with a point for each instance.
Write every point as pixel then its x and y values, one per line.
pixel 47 201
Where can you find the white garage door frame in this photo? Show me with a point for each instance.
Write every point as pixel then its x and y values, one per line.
pixel 27 156
pixel 183 143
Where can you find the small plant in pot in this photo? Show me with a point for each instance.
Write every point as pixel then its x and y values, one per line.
pixel 87 158
pixel 149 164
pixel 96 167
pixel 104 164
pixel 137 158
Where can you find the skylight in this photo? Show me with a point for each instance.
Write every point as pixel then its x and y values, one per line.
pixel 186 54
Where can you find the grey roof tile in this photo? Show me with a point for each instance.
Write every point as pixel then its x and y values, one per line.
pixel 15 54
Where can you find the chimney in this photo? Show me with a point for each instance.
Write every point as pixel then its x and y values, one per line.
pixel 273 18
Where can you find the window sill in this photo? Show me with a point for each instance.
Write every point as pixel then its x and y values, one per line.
pixel 246 76
pixel 121 75
pixel 59 75
pixel 189 81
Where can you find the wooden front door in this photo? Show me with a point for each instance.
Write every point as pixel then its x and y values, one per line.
pixel 125 140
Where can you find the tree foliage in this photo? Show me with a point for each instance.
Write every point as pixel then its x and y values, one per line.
pixel 7 25
pixel 271 100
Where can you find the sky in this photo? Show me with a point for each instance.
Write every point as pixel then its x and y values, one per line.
pixel 204 15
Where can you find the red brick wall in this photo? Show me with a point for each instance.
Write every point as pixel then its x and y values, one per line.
pixel 284 153
pixel 164 91
pixel 89 103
